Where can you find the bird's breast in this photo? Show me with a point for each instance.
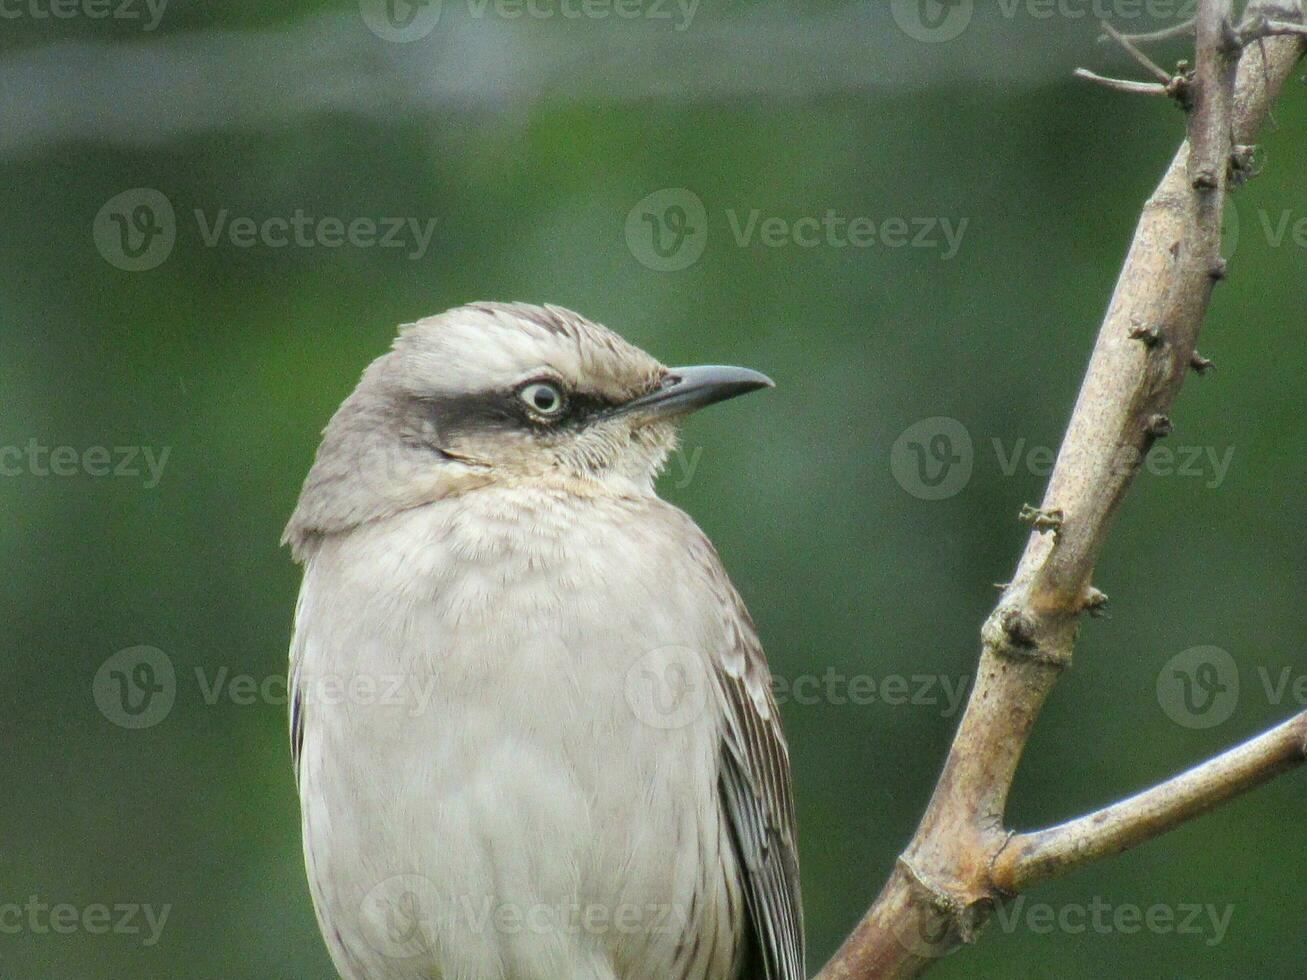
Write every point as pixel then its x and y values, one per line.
pixel 508 713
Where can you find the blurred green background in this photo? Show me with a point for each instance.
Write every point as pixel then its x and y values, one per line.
pixel 533 142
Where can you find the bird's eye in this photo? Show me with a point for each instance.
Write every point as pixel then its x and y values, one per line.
pixel 543 398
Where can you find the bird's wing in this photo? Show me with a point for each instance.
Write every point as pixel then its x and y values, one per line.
pixel 295 697
pixel 756 794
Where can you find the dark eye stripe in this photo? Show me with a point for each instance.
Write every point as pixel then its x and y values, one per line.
pixel 459 415
pixel 583 408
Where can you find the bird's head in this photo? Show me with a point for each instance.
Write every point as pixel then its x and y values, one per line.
pixel 496 394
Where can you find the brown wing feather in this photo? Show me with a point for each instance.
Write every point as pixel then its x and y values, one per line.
pixel 755 787
pixel 756 794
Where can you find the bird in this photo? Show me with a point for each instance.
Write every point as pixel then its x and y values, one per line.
pixel 533 729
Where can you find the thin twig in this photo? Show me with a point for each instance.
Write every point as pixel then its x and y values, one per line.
pixel 1272 28
pixel 1185 29
pixel 1122 84
pixel 1144 61
pixel 1029 859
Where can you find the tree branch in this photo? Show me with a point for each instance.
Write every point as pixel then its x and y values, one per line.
pixel 962 863
pixel 1122 84
pixel 1140 58
pixel 1184 29
pixel 1029 859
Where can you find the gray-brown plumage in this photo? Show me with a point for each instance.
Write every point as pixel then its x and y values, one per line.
pixel 532 723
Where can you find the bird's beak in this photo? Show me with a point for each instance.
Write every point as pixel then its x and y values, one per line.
pixel 688 389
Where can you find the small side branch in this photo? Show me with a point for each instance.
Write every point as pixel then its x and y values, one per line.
pixel 1176 86
pixel 1185 29
pixel 1141 59
pixel 1031 858
pixel 1260 26
pixel 1123 84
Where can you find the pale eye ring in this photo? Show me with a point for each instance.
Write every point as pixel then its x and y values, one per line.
pixel 543 398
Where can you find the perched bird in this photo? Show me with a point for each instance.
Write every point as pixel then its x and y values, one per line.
pixel 532 726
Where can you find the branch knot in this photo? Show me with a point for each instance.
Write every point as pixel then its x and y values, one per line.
pixel 1042 520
